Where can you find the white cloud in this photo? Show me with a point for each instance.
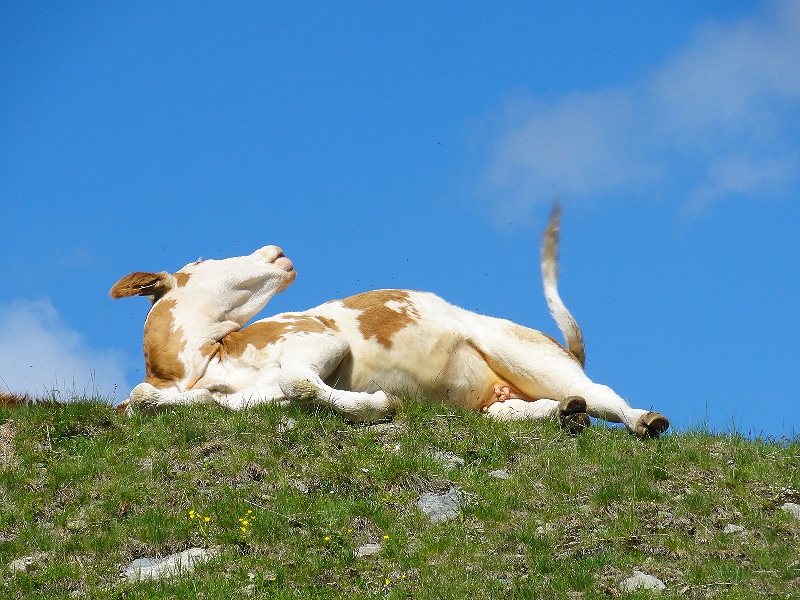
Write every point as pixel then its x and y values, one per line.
pixel 718 119
pixel 743 175
pixel 39 354
pixel 740 75
pixel 582 145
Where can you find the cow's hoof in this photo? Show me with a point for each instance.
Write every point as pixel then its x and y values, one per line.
pixel 572 414
pixel 124 408
pixel 651 426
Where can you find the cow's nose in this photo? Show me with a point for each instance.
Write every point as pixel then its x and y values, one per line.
pixel 270 253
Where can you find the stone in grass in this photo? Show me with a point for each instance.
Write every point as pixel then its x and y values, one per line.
pixel 367 550
pixel 792 508
pixel 500 474
pixel 388 428
pixel 20 565
pixel 448 460
pixel 441 506
pixel 641 581
pixel 286 424
pixel 174 564
pixel 731 528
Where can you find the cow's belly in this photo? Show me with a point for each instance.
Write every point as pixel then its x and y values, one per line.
pixel 451 371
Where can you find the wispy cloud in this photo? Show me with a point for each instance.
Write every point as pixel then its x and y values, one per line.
pixel 39 354
pixel 719 119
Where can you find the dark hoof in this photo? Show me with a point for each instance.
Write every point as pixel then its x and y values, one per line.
pixel 651 426
pixel 572 414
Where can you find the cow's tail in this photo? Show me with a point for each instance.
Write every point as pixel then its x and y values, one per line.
pixel 563 318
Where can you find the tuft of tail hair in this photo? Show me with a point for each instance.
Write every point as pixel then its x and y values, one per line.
pixel 563 318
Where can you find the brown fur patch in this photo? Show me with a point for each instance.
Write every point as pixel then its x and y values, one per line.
pixel 377 320
pixel 11 400
pixel 182 278
pixel 163 342
pixel 262 334
pixel 142 284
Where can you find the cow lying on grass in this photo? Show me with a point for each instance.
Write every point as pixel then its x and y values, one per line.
pixel 349 355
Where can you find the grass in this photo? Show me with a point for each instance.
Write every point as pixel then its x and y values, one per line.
pixel 84 491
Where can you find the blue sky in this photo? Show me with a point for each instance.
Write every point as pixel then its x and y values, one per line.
pixel 417 145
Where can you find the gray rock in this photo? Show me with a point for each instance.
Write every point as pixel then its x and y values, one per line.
pixel 287 424
pixel 300 487
pixel 731 528
pixel 174 564
pixel 641 581
pixel 792 508
pixel 500 474
pixel 441 506
pixel 367 550
pixel 448 459
pixel 20 565
pixel 546 528
pixel 389 428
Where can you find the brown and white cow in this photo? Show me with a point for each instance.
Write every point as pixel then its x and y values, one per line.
pixel 350 355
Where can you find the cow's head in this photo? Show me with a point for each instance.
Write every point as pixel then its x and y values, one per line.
pixel 202 302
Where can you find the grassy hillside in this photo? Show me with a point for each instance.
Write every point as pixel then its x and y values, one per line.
pixel 287 498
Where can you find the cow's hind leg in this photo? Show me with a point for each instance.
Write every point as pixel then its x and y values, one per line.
pixel 571 412
pixel 651 425
pixel 541 368
pixel 604 403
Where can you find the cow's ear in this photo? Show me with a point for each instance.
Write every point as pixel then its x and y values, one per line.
pixel 154 285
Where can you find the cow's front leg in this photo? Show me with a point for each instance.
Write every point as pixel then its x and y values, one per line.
pixel 307 361
pixel 150 399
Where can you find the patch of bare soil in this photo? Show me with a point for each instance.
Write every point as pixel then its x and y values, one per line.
pixel 6 443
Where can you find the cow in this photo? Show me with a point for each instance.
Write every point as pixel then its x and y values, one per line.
pixel 358 355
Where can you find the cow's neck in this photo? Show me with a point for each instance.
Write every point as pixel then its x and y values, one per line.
pixel 179 342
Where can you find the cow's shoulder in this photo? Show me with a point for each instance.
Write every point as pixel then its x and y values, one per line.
pixel 268 332
pixel 381 314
